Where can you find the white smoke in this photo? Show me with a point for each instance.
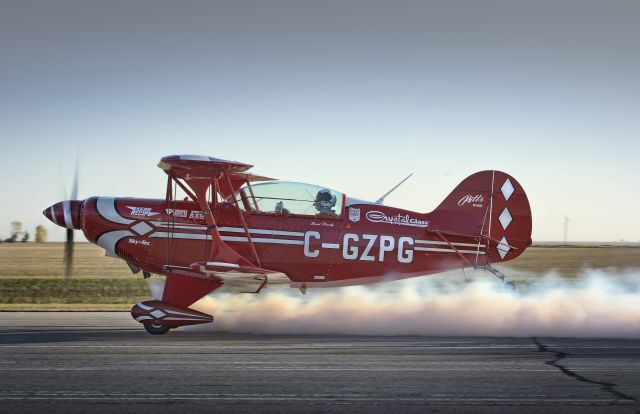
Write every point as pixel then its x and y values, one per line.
pixel 596 304
pixel 156 286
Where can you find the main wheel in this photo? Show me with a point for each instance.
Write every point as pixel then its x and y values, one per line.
pixel 156 329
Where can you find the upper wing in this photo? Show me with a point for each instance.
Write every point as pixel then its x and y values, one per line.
pixel 183 164
pixel 189 167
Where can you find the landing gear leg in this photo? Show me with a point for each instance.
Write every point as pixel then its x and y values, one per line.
pixel 156 329
pixel 466 276
pixel 509 286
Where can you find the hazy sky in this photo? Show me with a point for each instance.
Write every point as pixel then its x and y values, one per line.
pixel 353 95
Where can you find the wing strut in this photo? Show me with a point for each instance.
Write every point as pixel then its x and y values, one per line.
pixel 244 223
pixel 199 185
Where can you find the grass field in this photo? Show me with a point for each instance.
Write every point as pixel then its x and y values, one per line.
pixel 32 278
pixel 46 260
pixel 570 261
pixel 32 275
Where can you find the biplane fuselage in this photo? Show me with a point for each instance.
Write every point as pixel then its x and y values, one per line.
pixel 249 232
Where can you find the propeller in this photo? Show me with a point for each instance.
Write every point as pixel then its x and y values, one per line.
pixel 68 245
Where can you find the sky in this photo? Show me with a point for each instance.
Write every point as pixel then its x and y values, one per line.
pixel 352 95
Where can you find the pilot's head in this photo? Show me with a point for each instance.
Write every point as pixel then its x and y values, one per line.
pixel 325 201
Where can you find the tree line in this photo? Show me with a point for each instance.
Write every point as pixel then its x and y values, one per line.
pixel 22 236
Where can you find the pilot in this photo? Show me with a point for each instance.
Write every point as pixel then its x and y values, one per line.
pixel 325 202
pixel 280 208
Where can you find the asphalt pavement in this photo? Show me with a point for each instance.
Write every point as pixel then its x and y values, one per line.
pixel 79 362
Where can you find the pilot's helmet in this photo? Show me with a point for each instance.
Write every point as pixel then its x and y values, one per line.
pixel 325 200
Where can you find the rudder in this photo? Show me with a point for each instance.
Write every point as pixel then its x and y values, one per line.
pixel 491 204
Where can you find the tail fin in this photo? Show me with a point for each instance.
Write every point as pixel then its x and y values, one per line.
pixel 490 204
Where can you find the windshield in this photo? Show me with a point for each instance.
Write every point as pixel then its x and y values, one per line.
pixel 283 197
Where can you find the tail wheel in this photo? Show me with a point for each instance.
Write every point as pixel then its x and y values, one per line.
pixel 156 329
pixel 510 287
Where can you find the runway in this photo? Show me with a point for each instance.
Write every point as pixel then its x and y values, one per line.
pixel 78 362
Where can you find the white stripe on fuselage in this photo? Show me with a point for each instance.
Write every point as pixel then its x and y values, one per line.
pixel 187 226
pixel 263 231
pixel 181 226
pixel 193 236
pixel 199 236
pixel 442 243
pixel 436 249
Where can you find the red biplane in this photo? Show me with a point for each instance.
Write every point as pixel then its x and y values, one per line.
pixel 247 231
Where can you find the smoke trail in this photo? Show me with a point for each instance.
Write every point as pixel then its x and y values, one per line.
pixel 598 304
pixel 156 286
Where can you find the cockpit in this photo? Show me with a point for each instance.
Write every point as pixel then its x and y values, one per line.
pixel 291 198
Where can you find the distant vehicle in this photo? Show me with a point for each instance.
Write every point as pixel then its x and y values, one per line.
pixel 247 231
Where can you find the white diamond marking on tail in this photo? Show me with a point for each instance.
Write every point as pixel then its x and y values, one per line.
pixel 503 247
pixel 505 218
pixel 507 189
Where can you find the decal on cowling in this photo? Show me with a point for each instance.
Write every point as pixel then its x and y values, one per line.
pixel 176 212
pixel 192 214
pixel 137 242
pixel 198 215
pixel 142 211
